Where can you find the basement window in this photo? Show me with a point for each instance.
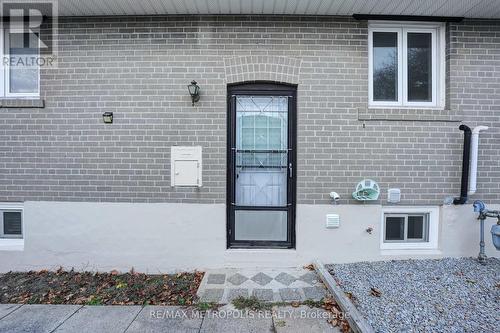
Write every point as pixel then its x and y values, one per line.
pixel 406 65
pixel 409 228
pixel 11 227
pixel 406 228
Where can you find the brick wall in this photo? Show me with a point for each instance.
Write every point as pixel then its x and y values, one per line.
pixel 475 93
pixel 138 68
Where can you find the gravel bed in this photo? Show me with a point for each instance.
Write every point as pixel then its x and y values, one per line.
pixel 443 295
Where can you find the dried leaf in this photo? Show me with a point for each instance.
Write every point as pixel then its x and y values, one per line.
pixel 309 267
pixel 334 322
pixel 375 292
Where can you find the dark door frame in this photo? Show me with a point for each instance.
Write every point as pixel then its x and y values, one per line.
pixel 263 88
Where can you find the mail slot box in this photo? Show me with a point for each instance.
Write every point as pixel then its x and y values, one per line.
pixel 185 165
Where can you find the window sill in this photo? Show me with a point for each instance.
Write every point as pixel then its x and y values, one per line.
pixel 393 246
pixel 403 252
pixel 11 244
pixel 22 102
pixel 414 107
pixel 408 114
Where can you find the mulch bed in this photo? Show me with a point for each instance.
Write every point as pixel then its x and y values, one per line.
pixel 114 288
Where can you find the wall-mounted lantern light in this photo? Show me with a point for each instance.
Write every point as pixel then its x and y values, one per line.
pixel 107 117
pixel 194 91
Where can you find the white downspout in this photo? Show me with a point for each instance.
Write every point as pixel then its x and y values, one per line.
pixel 474 157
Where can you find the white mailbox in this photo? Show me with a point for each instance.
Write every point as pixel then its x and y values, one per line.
pixel 185 166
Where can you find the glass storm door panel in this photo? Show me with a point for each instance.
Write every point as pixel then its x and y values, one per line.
pixel 261 177
pixel 261 150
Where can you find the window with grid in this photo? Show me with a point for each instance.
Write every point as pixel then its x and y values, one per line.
pixel 406 65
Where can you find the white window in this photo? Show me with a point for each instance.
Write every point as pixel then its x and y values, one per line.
pixel 20 72
pixel 11 227
pixel 406 65
pixel 409 228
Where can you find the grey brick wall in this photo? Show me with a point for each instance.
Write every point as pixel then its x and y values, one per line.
pixel 138 67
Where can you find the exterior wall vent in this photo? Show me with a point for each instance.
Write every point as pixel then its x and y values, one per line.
pixel 332 221
pixel 394 195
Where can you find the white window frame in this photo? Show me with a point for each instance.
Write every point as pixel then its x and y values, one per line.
pixel 433 230
pixel 406 216
pixel 438 69
pixel 5 70
pixel 13 244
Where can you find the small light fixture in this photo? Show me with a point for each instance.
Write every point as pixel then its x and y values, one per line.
pixel 107 117
pixel 194 91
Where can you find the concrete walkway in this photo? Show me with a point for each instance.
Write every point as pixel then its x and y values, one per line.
pixel 110 319
pixel 268 285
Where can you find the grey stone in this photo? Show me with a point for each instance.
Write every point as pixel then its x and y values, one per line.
pixel 216 279
pixel 263 294
pixel 237 323
pixel 168 319
pixel 314 293
pixel 237 279
pixel 310 278
pixel 235 293
pixel 261 279
pixel 302 319
pixel 437 295
pixel 290 294
pixel 285 278
pixel 6 309
pixel 212 295
pixel 105 319
pixel 37 318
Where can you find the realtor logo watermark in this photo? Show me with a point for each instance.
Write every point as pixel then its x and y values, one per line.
pixel 166 314
pixel 29 32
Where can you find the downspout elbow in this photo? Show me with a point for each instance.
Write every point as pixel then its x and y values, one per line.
pixel 465 166
pixel 475 157
pixel 478 129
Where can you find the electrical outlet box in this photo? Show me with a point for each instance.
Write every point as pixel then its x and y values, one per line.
pixel 186 166
pixel 332 221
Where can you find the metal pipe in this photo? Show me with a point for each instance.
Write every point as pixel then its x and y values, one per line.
pixel 465 166
pixel 482 255
pixel 480 207
pixel 474 158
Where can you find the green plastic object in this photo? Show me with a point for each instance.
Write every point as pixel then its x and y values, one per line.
pixel 366 190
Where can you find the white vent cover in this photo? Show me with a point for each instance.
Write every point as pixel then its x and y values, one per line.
pixel 394 195
pixel 332 221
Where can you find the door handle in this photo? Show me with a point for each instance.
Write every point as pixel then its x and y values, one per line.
pixel 290 170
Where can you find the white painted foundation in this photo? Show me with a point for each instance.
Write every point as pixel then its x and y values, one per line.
pixel 173 237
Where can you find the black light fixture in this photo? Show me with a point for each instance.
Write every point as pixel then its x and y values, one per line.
pixel 107 117
pixel 194 91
